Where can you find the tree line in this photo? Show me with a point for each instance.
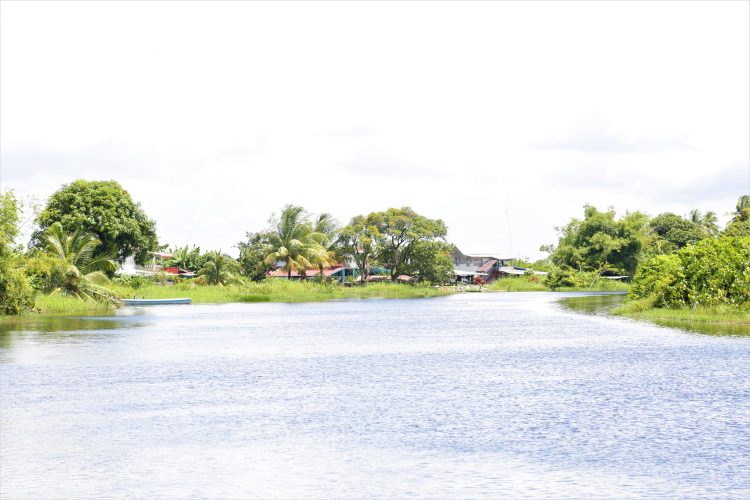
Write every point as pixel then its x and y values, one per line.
pixel 88 228
pixel 674 260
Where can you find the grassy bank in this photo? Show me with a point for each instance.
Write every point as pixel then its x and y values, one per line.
pixel 268 291
pixel 535 284
pixel 720 315
pixel 281 291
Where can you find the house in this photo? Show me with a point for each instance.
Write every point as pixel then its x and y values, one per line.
pixel 471 266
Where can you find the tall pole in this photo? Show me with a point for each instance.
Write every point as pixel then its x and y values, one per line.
pixel 510 235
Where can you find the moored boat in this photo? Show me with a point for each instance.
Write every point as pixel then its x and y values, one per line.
pixel 155 302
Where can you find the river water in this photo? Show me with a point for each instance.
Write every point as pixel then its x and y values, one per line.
pixel 473 395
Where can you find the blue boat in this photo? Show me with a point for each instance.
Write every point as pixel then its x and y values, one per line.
pixel 155 302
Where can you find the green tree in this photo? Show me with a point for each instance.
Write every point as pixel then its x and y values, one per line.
pixel 84 276
pixel 601 243
pixel 401 230
pixel 677 232
pixel 327 228
pixel 186 258
pixel 218 269
pixel 16 295
pixel 431 261
pixel 292 240
pixel 104 209
pixel 253 253
pixel 739 225
pixel 359 240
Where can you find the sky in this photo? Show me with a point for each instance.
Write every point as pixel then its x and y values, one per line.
pixel 503 119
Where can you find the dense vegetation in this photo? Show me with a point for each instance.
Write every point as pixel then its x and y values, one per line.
pixel 88 228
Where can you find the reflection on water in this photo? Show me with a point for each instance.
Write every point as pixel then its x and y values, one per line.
pixel 599 304
pixel 474 395
pixel 56 328
pixel 603 305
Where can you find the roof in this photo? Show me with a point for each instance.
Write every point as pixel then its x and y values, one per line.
pixel 486 254
pixel 327 271
pixel 487 266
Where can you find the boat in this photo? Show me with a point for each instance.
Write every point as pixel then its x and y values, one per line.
pixel 155 302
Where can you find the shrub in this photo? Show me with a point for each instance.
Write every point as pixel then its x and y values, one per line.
pixel 713 272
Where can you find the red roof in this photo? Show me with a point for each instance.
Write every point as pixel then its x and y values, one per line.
pixel 310 273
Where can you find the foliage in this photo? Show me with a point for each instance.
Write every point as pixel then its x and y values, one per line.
pixel 672 232
pixel 16 295
pixel 711 273
pixel 84 277
pixel 282 290
pixel 219 269
pixel 401 231
pixel 186 258
pixel 293 241
pixel 570 278
pixel 601 243
pixel 134 282
pixel 431 261
pixel 253 253
pixel 44 271
pixel 104 209
pixel 327 228
pixel 359 240
pixel 739 225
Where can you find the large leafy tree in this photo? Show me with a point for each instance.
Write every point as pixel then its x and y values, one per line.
pixel 359 240
pixel 676 232
pixel 431 261
pixel 293 241
pixel 84 275
pixel 401 230
pixel 601 243
pixel 104 209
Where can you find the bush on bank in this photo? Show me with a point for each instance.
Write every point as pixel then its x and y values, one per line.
pixel 712 273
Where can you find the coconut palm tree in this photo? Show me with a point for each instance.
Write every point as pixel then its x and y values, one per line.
pixel 742 213
pixel 84 276
pixel 710 223
pixel 219 269
pixel 325 225
pixel 293 241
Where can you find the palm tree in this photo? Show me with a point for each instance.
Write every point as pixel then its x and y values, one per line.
pixel 186 258
pixel 219 269
pixel 743 209
pixel 326 226
pixel 293 241
pixel 710 223
pixel 695 216
pixel 84 276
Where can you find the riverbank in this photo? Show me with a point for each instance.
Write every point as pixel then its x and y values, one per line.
pixel 268 291
pixel 720 315
pixel 535 284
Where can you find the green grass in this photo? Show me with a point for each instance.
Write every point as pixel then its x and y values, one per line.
pixel 268 291
pixel 59 304
pixel 279 290
pixel 642 309
pixel 536 284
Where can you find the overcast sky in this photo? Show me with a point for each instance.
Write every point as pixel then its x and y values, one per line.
pixel 215 115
